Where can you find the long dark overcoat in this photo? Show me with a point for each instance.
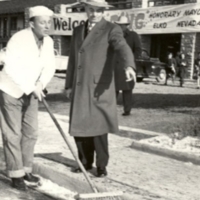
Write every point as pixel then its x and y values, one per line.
pixel 90 74
pixel 134 43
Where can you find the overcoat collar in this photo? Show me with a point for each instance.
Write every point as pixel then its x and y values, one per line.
pixel 94 33
pixel 126 32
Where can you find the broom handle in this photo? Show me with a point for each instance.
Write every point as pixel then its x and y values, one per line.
pixel 70 146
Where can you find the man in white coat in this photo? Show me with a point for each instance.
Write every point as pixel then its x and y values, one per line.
pixel 29 66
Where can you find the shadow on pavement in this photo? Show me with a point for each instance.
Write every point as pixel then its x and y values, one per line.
pixel 56 97
pixel 162 101
pixel 147 101
pixel 58 158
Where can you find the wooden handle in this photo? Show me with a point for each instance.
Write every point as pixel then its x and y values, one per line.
pixel 70 146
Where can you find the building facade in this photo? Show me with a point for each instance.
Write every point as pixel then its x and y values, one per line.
pixel 159 45
pixel 14 17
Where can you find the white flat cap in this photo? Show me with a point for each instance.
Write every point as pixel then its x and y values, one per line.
pixel 39 11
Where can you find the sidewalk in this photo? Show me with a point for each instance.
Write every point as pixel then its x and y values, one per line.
pixel 8 193
pixel 140 175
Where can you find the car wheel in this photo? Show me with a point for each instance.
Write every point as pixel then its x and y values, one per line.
pixel 162 76
pixel 139 79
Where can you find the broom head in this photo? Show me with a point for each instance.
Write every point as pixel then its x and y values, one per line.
pixel 100 196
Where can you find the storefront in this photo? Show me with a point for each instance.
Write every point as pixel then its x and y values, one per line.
pixel 169 28
pixel 163 29
pixel 13 15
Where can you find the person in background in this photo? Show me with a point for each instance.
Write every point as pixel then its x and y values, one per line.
pixel 90 84
pixel 177 59
pixel 170 68
pixel 134 43
pixel 197 70
pixel 181 68
pixel 28 67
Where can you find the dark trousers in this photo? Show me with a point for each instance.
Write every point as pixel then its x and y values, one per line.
pixel 88 145
pixel 181 74
pixel 127 99
pixel 170 74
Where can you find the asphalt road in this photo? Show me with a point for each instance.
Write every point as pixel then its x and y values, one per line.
pixel 9 193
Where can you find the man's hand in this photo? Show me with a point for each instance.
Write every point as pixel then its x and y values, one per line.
pixel 38 92
pixel 130 74
pixel 68 93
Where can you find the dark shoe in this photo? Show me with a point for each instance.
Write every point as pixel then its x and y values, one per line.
pixel 30 179
pixel 78 170
pixel 101 172
pixel 18 183
pixel 126 113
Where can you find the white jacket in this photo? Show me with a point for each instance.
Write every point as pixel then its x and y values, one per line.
pixel 25 64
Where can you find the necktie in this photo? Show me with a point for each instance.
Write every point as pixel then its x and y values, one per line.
pixel 90 26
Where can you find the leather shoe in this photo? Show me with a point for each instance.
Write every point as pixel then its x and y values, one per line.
pixel 78 169
pixel 18 183
pixel 126 113
pixel 31 179
pixel 101 172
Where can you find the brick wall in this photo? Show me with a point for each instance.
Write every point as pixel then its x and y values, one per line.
pixel 189 45
pixel 188 42
pixel 61 43
pixel 197 46
pixel 57 38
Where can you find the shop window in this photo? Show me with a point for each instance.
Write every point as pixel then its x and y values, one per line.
pixel 162 44
pixel 1 33
pixel 120 4
pixel 5 22
pixel 152 3
pixel 13 23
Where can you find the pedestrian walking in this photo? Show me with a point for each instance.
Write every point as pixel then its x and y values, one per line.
pixel 170 68
pixel 29 65
pixel 181 68
pixel 133 40
pixel 197 70
pixel 90 83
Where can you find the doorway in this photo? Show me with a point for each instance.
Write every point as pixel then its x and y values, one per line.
pixel 162 44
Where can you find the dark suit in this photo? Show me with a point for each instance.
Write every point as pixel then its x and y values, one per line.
pixel 181 70
pixel 134 43
pixel 90 75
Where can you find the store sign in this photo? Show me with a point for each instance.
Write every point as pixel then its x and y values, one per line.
pixel 64 25
pixel 166 19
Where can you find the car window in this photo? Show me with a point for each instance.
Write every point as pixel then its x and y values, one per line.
pixel 144 54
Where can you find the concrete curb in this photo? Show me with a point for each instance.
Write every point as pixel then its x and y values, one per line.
pixel 185 157
pixel 68 182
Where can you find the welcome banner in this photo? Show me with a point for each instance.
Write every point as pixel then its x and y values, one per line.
pixel 165 19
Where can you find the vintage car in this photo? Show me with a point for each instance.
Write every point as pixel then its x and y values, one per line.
pixel 61 61
pixel 148 67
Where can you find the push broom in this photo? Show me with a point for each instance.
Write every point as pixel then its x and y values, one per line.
pixel 96 195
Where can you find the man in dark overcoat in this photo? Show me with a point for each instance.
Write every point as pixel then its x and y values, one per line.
pixel 90 84
pixel 134 43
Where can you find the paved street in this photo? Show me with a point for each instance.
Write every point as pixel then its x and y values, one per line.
pixel 142 175
pixel 155 107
